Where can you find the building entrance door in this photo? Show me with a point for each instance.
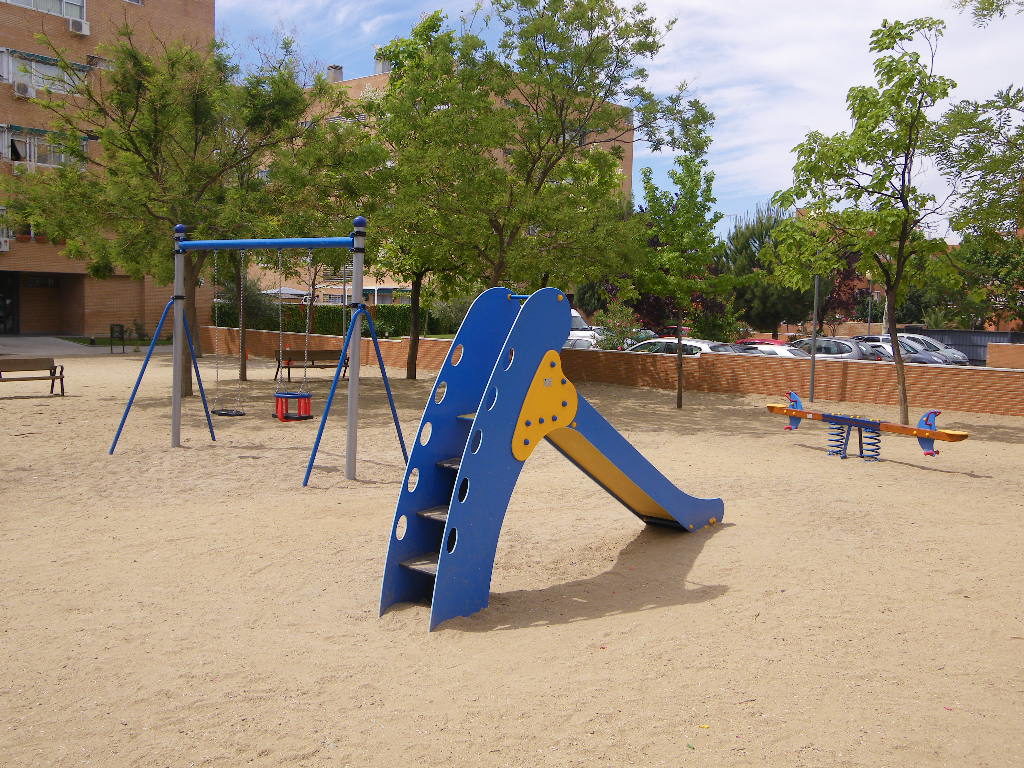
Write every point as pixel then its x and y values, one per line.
pixel 9 283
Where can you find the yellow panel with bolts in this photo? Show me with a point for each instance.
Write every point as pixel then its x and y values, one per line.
pixel 550 404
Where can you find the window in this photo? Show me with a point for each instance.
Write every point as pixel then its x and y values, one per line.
pixel 39 71
pixel 30 145
pixel 72 9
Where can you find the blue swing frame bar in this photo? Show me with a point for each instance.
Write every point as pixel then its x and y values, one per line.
pixel 356 243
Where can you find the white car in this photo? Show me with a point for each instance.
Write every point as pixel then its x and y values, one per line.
pixel 580 332
pixel 666 345
pixel 775 350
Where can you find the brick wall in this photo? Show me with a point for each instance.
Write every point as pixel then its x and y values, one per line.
pixel 39 303
pixel 958 388
pixel 1006 355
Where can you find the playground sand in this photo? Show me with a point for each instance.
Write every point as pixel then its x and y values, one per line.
pixel 197 607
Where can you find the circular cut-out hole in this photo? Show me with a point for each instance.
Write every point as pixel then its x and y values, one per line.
pixel 474 444
pixel 464 489
pixel 457 354
pixel 453 539
pixel 401 527
pixel 492 398
pixel 439 393
pixel 425 433
pixel 511 358
pixel 414 478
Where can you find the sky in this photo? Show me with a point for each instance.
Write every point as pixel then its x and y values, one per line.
pixel 770 71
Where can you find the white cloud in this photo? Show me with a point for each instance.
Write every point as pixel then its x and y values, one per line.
pixel 771 72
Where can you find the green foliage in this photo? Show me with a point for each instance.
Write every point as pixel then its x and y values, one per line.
pixel 682 223
pixel 507 155
pixel 590 297
pixel 986 10
pixel 714 325
pixel 980 144
pixel 618 322
pixel 761 301
pixel 391 320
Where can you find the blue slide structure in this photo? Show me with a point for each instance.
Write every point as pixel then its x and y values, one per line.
pixel 500 392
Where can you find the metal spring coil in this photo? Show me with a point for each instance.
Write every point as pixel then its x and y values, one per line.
pixel 836 439
pixel 872 444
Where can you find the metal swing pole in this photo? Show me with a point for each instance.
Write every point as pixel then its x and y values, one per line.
pixel 358 252
pixel 178 341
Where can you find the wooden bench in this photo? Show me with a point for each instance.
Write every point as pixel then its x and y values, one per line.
pixel 18 364
pixel 315 358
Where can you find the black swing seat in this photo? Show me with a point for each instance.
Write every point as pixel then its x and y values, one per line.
pixel 227 412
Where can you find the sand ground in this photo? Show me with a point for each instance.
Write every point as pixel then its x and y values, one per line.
pixel 197 607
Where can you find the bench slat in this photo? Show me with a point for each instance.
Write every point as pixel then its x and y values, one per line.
pixel 33 378
pixel 26 364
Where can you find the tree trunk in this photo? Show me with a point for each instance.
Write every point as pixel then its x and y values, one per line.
pixel 679 359
pixel 243 373
pixel 897 354
pixel 414 327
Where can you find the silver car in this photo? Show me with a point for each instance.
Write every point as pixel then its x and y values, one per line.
pixel 834 348
pixel 910 352
pixel 946 352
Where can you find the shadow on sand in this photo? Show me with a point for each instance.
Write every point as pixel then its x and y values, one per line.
pixel 922 467
pixel 650 572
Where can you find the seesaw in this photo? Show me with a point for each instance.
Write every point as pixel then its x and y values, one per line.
pixel 869 436
pixel 499 394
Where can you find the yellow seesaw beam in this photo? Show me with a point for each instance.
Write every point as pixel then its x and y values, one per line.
pixel 946 435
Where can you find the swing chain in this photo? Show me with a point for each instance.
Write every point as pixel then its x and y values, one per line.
pixel 242 273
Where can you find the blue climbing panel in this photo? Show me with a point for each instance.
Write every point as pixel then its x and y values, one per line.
pixel 499 393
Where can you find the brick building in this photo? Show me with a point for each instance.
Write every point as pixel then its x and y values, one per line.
pixel 41 291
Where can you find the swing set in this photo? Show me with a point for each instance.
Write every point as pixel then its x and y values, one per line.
pixel 182 335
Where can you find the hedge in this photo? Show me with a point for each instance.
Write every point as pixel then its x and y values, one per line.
pixel 332 320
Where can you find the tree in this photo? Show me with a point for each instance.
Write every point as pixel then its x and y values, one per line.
pixel 183 138
pixel 526 137
pixel 762 302
pixel 986 10
pixel 682 228
pixel 980 148
pixel 437 124
pixel 858 189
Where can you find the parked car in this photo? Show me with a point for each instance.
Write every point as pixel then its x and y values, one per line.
pixel 668 346
pixel 877 354
pixel 946 352
pixel 911 353
pixel 777 342
pixel 774 350
pixel 834 348
pixel 571 343
pixel 880 354
pixel 580 330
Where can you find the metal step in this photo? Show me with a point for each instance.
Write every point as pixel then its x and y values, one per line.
pixel 452 463
pixel 440 514
pixel 423 563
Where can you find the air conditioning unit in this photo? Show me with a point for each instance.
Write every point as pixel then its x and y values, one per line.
pixel 79 27
pixel 5 244
pixel 24 89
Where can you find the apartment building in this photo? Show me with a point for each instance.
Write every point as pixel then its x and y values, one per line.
pixel 41 291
